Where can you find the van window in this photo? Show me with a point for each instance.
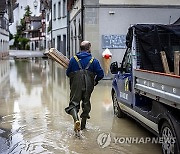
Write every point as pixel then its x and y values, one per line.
pixel 127 62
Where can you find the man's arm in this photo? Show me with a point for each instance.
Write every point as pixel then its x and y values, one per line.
pixel 69 69
pixel 99 71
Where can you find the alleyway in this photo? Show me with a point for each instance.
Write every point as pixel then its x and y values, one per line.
pixel 33 95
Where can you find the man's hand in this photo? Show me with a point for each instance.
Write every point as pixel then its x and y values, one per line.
pixel 95 83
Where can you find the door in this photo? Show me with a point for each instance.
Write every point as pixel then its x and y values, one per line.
pixel 125 79
pixel 59 43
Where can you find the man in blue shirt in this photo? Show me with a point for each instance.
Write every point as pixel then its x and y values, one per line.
pixel 84 72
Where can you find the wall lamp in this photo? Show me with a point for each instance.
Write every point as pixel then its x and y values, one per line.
pixel 75 8
pixel 111 12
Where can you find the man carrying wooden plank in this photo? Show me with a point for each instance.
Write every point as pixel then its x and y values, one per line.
pixel 84 72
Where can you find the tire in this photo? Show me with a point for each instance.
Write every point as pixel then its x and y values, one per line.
pixel 169 146
pixel 117 110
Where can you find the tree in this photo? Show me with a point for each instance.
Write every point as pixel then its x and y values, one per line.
pixel 21 42
pixel 27 11
pixel 10 36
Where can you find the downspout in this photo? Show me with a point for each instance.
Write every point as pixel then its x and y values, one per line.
pixel 82 18
pixel 68 31
pixel 51 26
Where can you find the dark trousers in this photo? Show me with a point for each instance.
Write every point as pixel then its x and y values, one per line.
pixel 81 86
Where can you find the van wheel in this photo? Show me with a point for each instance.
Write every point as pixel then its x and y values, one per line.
pixel 169 145
pixel 117 110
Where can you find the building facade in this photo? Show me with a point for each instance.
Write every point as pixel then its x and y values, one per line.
pixel 105 23
pixel 6 17
pixel 45 7
pixel 35 23
pixel 59 25
pixel 19 12
pixel 35 32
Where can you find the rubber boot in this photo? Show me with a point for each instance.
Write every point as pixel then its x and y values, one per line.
pixel 83 123
pixel 74 114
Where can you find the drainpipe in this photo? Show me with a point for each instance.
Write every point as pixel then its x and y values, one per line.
pixel 68 31
pixel 51 25
pixel 82 18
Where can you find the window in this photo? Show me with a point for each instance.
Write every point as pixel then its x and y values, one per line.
pixel 59 9
pixel 48 17
pixel 64 8
pixel 53 45
pixel 80 33
pixel 54 11
pixel 127 62
pixel 72 45
pixel 64 45
pixel 59 43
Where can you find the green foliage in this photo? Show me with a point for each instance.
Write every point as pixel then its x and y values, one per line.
pixel 49 28
pixel 10 36
pixel 23 25
pixel 19 41
pixel 27 11
pixel 16 41
pixel 27 47
pixel 23 42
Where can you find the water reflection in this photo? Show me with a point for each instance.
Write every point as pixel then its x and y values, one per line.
pixel 33 96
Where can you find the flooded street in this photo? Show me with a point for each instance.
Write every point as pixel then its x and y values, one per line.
pixel 33 95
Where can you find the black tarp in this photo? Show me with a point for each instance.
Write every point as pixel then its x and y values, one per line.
pixel 150 40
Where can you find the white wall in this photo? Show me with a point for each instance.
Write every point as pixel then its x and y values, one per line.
pixel 124 17
pixel 48 33
pixel 59 23
pixel 4 39
pixel 141 2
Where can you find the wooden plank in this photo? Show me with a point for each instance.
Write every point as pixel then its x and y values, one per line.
pixel 176 62
pixel 58 57
pixel 57 60
pixel 164 61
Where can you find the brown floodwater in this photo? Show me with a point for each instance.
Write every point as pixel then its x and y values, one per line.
pixel 33 95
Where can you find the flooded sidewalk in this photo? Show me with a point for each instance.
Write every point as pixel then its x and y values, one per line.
pixel 33 95
pixel 26 54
